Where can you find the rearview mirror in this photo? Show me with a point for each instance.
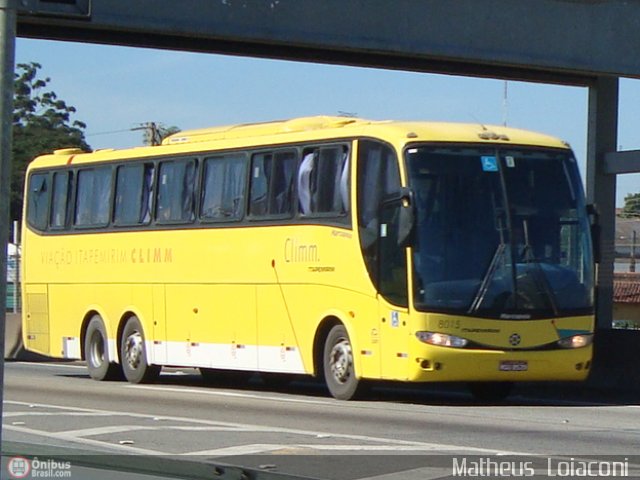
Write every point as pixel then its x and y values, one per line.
pixel 403 202
pixel 407 220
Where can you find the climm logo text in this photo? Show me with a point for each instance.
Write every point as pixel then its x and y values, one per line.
pixel 298 252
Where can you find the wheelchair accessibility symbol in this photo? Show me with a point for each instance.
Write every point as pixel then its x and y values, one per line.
pixel 489 163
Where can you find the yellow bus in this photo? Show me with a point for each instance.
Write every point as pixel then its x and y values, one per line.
pixel 343 248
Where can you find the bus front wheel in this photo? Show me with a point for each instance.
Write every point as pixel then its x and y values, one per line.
pixel 133 355
pixel 96 352
pixel 339 371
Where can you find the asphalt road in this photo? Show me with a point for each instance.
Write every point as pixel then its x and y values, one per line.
pixel 397 433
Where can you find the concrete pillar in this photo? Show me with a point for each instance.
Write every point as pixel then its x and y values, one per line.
pixel 601 187
pixel 7 60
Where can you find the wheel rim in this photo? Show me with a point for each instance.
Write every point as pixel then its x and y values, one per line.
pixel 96 352
pixel 341 361
pixel 133 349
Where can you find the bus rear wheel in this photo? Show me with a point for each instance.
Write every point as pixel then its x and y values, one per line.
pixel 96 352
pixel 133 354
pixel 339 370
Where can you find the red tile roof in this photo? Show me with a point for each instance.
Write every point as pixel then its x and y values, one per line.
pixel 626 287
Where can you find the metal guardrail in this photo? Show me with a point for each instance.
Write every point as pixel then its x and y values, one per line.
pixel 87 464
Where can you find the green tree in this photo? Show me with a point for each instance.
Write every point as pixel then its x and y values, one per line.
pixel 631 206
pixel 41 123
pixel 166 131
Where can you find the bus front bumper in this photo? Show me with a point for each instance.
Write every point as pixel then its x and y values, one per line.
pixel 442 364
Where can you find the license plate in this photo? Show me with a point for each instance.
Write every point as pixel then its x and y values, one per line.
pixel 514 366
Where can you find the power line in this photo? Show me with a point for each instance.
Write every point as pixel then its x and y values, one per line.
pixel 108 133
pixel 152 132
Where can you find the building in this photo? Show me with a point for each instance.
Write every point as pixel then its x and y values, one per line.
pixel 626 300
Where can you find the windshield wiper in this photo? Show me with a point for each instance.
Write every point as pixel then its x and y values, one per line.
pixel 495 261
pixel 539 277
pixel 488 277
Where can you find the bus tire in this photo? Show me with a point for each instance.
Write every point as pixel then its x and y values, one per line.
pixel 339 370
pixel 96 352
pixel 133 354
pixel 490 391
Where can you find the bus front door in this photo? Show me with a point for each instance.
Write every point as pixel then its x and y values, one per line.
pixel 393 297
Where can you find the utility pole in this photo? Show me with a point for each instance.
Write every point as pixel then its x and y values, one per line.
pixel 632 260
pixel 8 20
pixel 151 133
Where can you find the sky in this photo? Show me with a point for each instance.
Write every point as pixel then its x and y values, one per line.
pixel 116 89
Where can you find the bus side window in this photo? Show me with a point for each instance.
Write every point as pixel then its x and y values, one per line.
pixel 323 181
pixel 343 185
pixel 306 170
pixel 38 203
pixel 134 186
pixel 281 184
pixel 259 181
pixel 223 188
pixel 176 192
pixel 148 187
pixel 93 197
pixel 272 183
pixel 378 178
pixel 60 199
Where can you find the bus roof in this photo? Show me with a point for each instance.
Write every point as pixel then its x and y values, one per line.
pixel 303 129
pixel 433 131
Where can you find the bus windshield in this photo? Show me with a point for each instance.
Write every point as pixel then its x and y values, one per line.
pixel 501 232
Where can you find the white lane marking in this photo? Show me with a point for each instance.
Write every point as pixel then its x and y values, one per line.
pixel 302 449
pixel 56 414
pixel 84 441
pixel 90 432
pixel 217 393
pixel 270 429
pixel 249 449
pixel 377 448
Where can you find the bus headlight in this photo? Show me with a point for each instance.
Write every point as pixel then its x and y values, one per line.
pixel 576 341
pixel 441 339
